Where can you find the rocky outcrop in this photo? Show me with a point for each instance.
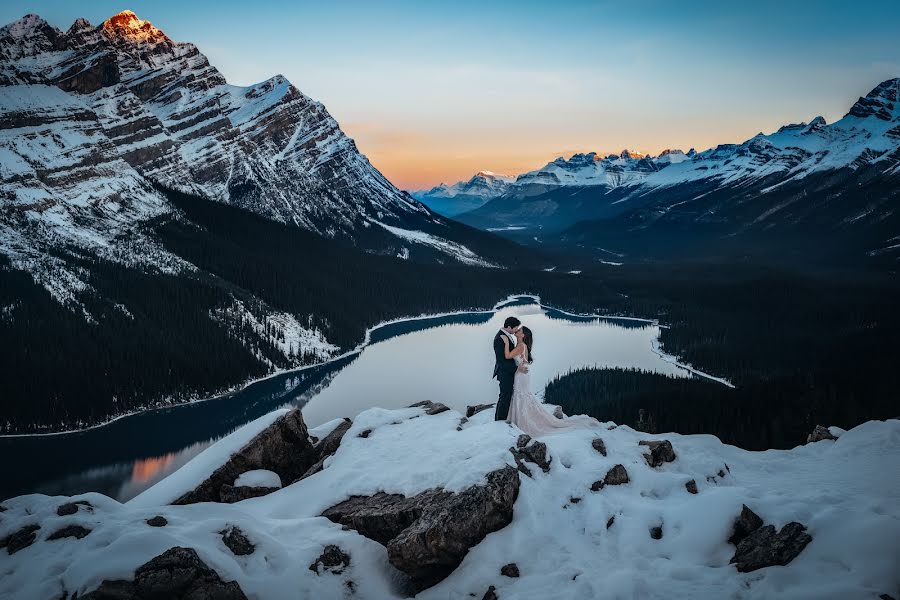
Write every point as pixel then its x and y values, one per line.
pixel 237 542
pixel 176 574
pixel 327 446
pixel 765 548
pixel 471 411
pixel 428 535
pixel 75 531
pixel 661 451
pixel 70 508
pixel 20 539
pixel 431 408
pixel 818 434
pixel 332 559
pixel 283 447
pixel 229 494
pixel 746 523
pixel 535 452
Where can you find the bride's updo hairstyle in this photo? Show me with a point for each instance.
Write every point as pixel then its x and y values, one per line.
pixel 529 342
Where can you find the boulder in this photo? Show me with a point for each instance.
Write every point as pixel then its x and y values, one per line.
pixel 471 411
pixel 20 539
pixel 746 523
pixel 237 542
pixel 616 476
pixel 660 451
pixel 327 447
pixel 431 408
pixel 599 446
pixel 176 574
pixel 75 531
pixel 332 559
pixel 691 486
pixel 818 434
pixel 765 548
pixel 230 494
pixel 283 447
pixel 528 450
pixel 510 570
pixel 157 521
pixel 428 535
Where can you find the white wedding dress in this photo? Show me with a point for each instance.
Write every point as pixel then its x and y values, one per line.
pixel 528 414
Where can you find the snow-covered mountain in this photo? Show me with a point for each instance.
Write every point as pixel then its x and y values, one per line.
pixel 423 501
pixel 94 119
pixel 802 173
pixel 463 196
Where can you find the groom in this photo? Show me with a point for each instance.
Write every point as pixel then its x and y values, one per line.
pixel 505 368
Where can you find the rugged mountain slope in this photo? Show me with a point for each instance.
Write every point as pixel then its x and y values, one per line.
pixel 93 118
pixel 810 179
pixel 463 196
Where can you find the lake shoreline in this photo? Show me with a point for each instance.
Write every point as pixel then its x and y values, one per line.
pixel 508 301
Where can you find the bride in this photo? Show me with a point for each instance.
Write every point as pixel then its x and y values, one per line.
pixel 526 411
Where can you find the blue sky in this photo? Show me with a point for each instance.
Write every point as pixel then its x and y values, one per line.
pixel 435 91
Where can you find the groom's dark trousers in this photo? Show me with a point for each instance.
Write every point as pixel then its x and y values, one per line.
pixel 505 373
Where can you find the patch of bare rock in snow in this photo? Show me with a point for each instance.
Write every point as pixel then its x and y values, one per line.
pixel 425 502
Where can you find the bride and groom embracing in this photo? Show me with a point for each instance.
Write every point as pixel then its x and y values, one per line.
pixel 517 404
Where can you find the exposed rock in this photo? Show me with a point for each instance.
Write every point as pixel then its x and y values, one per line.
pixel 744 525
pixel 365 433
pixel 431 408
pixel 574 499
pixel 765 548
pixel 490 594
pixel 691 486
pixel 75 531
pixel 471 411
pixel 597 486
pixel 510 570
pixel 528 450
pixel 656 533
pixel 327 447
pixel 229 494
pixel 282 447
pixel 721 473
pixel 616 476
pixel 660 451
pixel 332 559
pixel 558 413
pixel 2 508
pixel 70 508
pixel 818 434
pixel 523 440
pixel 237 542
pixel 20 539
pixel 610 521
pixel 428 535
pixel 599 446
pixel 462 421
pixel 176 574
pixel 157 521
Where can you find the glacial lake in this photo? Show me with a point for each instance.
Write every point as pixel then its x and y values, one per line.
pixel 440 358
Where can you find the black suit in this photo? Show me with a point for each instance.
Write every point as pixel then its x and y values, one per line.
pixel 505 373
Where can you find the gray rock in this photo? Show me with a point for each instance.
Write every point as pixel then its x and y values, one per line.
pixel 431 408
pixel 176 574
pixel 332 559
pixel 75 531
pixel 660 451
pixel 237 542
pixel 428 535
pixel 818 434
pixel 765 548
pixel 462 421
pixel 70 508
pixel 558 413
pixel 283 447
pixel 656 532
pixel 523 440
pixel 610 521
pixel 327 447
pixel 528 450
pixel 746 523
pixel 616 476
pixel 157 521
pixel 510 570
pixel 364 434
pixel 691 486
pixel 599 446
pixel 230 494
pixel 20 539
pixel 490 594
pixel 471 411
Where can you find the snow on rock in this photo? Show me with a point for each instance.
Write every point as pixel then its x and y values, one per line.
pixel 457 251
pixel 258 478
pixel 649 537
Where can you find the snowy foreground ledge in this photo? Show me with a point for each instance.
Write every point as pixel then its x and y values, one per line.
pixel 649 537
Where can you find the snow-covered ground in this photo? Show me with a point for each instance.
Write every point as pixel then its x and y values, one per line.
pixel 454 249
pixel 846 492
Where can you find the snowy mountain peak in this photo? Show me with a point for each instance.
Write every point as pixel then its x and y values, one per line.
pixel 882 102
pixel 127 26
pixel 23 27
